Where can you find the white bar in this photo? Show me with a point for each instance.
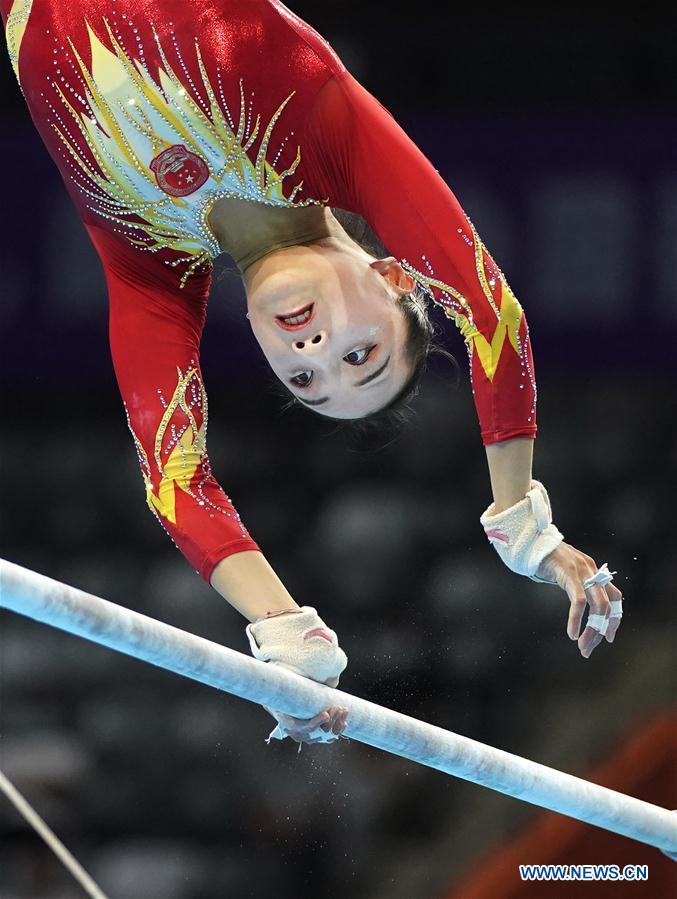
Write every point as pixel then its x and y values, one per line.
pixel 88 616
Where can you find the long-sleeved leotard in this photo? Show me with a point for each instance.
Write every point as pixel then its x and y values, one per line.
pixel 155 110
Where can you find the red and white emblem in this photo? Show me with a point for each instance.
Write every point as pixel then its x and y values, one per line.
pixel 495 534
pixel 179 172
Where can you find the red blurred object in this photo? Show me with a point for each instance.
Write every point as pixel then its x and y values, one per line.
pixel 645 767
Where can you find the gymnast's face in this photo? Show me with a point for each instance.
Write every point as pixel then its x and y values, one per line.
pixel 327 319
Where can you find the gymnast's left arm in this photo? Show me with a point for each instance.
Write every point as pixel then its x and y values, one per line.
pixel 364 162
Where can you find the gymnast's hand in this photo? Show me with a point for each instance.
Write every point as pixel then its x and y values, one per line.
pixel 526 539
pixel 332 721
pixel 301 642
pixel 570 568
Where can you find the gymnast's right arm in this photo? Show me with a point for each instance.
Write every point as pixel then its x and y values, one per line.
pixel 155 329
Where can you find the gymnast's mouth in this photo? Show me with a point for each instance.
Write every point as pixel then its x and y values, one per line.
pixel 292 321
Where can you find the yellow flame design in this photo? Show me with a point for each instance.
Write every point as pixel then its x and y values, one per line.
pixel 186 456
pixel 489 352
pixel 133 119
pixel 508 316
pixel 15 27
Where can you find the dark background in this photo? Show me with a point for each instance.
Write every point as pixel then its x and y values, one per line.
pixel 557 132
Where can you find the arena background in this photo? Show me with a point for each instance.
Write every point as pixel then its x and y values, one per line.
pixel 557 132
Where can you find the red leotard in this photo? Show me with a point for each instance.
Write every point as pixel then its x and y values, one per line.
pixel 153 110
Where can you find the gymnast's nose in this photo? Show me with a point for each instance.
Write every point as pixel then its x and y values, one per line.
pixel 309 346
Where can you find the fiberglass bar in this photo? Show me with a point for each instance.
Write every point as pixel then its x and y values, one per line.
pixel 129 632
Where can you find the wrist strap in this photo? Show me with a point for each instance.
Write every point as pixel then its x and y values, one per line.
pixel 524 534
pixel 301 642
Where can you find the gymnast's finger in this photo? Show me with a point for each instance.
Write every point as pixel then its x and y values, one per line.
pixel 589 641
pixel 598 619
pixel 332 719
pixel 615 596
pixel 574 589
pixel 338 714
pixel 305 726
pixel 338 719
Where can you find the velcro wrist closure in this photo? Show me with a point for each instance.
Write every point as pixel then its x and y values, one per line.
pixel 524 534
pixel 301 642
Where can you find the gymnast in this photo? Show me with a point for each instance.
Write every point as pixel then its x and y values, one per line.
pixel 188 128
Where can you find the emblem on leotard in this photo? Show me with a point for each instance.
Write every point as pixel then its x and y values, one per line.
pixel 179 172
pixel 131 115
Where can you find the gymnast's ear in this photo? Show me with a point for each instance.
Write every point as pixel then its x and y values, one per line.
pixel 393 272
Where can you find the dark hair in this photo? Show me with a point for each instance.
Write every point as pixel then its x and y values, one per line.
pixel 419 347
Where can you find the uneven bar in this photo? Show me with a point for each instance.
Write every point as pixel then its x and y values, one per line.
pixel 129 632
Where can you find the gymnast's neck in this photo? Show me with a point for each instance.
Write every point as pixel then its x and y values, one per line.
pixel 247 230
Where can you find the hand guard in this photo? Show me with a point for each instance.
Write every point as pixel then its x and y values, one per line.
pixel 302 643
pixel 524 534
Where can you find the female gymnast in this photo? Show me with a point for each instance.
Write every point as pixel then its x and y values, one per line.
pixel 187 128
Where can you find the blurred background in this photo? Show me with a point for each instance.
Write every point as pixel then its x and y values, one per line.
pixel 557 133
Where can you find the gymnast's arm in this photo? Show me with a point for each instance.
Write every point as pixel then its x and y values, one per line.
pixel 249 583
pixel 369 165
pixel 155 329
pixel 364 162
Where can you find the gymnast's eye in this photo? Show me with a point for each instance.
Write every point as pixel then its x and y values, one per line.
pixel 302 380
pixel 359 357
